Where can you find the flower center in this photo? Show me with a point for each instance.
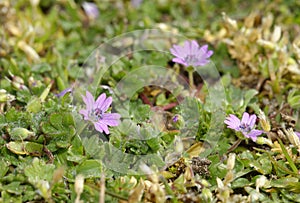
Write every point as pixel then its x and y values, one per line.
pixel 244 127
pixel 191 59
pixel 96 114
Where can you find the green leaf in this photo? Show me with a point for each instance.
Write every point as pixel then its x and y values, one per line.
pixel 41 68
pixel 75 152
pixel 139 112
pixel 294 99
pixel 39 171
pixel 34 105
pixel 179 184
pixel 68 119
pixel 3 168
pixel 287 156
pixel 92 145
pixel 20 133
pixel 89 169
pixel 28 148
pixel 56 120
pixel 263 165
pixel 154 144
pixel 7 197
pixel 13 188
pixel 241 183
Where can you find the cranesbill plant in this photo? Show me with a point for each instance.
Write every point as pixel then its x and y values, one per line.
pixel 95 112
pixel 245 126
pixel 191 55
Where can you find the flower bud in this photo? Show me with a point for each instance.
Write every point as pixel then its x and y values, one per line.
pixel 264 122
pixel 91 10
pixel 220 184
pixel 29 51
pixel 231 23
pixel 260 182
pixel 45 92
pixel 231 161
pixel 292 136
pixel 178 121
pixel 206 194
pixel 79 184
pixel 263 140
pixel 276 34
pixel 205 183
pixel 17 79
pixel 178 145
pixel 266 44
pixel 6 97
pixel 188 174
pixel 43 188
pixel 18 86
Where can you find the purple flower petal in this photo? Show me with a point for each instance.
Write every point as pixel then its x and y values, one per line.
pixel 136 3
pixel 65 91
pixel 233 122
pixel 245 126
pixel 103 127
pixel 253 134
pixel 100 100
pixel 190 54
pixel 88 100
pixel 98 127
pixel 85 113
pixel 252 120
pixel 204 48
pixel 106 104
pixel 209 53
pixel 90 9
pixel 176 51
pixel 175 118
pixel 95 112
pixel 111 119
pixel 245 117
pixel 202 62
pixel 179 60
pixel 193 47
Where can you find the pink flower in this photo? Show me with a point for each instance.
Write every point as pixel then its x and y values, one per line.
pixel 246 125
pixel 65 91
pixel 95 112
pixel 190 54
pixel 91 10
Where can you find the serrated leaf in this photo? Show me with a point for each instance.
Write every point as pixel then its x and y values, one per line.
pixel 89 169
pixel 153 144
pixel 92 145
pixel 68 119
pixel 13 188
pixel 39 171
pixel 56 120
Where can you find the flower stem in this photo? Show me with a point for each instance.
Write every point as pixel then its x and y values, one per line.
pixel 234 146
pixel 191 79
pixel 102 189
